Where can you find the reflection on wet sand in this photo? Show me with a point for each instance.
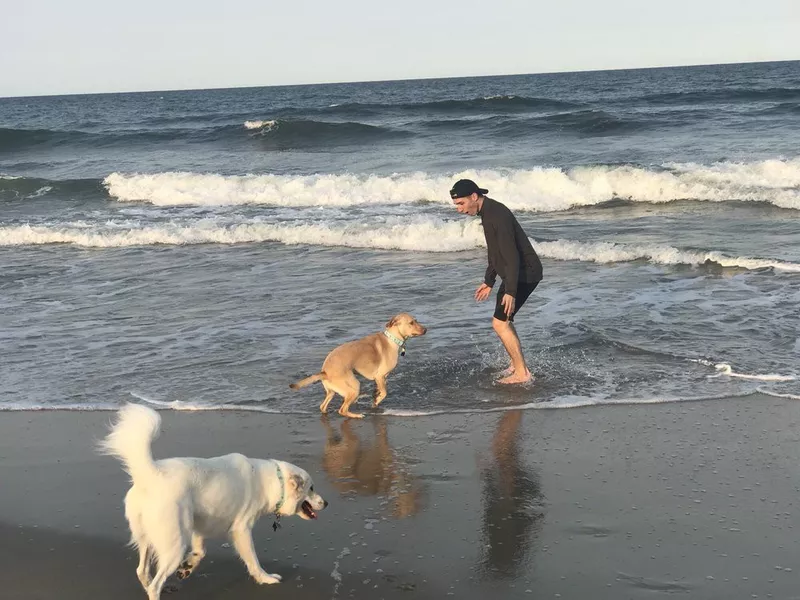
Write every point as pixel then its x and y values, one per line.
pixel 512 502
pixel 371 467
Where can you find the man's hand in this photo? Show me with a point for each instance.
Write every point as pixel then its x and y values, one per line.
pixel 508 304
pixel 482 293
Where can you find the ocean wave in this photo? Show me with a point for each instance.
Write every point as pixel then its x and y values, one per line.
pixel 727 96
pixel 178 188
pixel 260 124
pixel 784 108
pixel 16 140
pixel 727 370
pixel 278 134
pixel 559 402
pixel 590 123
pixel 175 405
pixel 787 396
pixel 432 235
pixel 494 104
pixel 287 134
pixel 537 190
pixel 610 252
pixel 18 188
pixel 183 405
pixel 422 234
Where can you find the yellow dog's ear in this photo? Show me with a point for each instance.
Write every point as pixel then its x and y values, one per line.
pixel 392 322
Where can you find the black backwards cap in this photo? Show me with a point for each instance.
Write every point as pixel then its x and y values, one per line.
pixel 466 187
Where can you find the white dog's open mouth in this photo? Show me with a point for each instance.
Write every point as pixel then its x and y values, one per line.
pixel 307 510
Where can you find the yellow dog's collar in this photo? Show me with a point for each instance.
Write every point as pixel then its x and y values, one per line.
pixel 400 343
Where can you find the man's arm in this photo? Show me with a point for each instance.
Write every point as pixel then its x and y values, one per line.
pixel 488 283
pixel 507 247
pixel 490 234
pixel 491 276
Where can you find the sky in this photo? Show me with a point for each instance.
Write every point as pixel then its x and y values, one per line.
pixel 87 46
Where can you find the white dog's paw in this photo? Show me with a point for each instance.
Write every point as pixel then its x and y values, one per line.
pixel 268 578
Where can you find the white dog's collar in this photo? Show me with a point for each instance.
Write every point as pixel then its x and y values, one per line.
pixel 280 478
pixel 398 341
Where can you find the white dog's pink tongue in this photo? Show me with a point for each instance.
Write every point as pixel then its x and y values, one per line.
pixel 308 510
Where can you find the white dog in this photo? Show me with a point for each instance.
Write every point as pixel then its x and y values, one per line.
pixel 175 503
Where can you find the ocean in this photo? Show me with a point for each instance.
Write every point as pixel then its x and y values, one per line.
pixel 203 249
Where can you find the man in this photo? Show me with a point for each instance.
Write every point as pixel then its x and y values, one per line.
pixel 511 256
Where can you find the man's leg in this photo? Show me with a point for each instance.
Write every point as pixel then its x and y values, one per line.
pixel 508 335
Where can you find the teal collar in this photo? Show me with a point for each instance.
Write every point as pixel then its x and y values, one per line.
pixel 400 343
pixel 280 478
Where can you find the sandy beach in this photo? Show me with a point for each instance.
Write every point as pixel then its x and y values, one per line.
pixel 694 498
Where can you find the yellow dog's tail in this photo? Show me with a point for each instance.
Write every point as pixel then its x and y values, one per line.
pixel 307 381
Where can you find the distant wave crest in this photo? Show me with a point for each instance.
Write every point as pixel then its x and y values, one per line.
pixel 423 234
pixel 539 189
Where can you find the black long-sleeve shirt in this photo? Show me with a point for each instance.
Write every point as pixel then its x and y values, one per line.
pixel 511 254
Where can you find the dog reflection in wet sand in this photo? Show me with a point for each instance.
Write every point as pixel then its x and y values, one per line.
pixel 370 468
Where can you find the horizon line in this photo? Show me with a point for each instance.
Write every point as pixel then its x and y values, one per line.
pixel 362 81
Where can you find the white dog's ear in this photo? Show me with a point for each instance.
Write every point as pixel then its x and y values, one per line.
pixel 297 482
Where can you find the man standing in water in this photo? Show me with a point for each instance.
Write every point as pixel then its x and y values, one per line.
pixel 511 256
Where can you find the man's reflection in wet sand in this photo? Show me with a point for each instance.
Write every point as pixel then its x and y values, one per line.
pixel 512 502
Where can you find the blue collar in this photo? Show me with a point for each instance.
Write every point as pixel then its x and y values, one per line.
pixel 400 343
pixel 280 478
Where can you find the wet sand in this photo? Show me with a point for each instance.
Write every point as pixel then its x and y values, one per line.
pixel 609 502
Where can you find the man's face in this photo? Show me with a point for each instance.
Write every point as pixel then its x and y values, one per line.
pixel 467 205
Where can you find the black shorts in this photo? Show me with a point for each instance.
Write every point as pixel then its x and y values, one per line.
pixel 524 289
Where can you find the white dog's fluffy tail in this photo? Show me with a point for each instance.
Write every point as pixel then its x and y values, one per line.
pixel 130 439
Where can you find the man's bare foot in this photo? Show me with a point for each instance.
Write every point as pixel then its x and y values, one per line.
pixel 506 372
pixel 517 378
